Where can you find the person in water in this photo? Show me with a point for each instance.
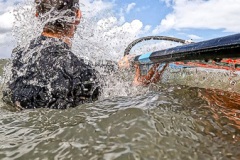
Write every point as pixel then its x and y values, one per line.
pixel 47 74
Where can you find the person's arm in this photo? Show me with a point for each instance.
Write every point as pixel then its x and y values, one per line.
pixel 152 76
pixel 125 62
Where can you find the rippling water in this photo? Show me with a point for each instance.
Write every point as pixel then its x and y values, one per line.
pixel 172 122
pixel 167 122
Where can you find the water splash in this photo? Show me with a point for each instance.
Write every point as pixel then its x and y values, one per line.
pixel 98 39
pixel 26 26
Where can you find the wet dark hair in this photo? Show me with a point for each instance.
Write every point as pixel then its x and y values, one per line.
pixel 64 10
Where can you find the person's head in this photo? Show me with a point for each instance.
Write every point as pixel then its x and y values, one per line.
pixel 59 16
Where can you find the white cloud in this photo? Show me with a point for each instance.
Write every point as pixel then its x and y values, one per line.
pixel 151 46
pixel 140 9
pixel 168 2
pixel 6 20
pixel 130 7
pixel 146 29
pixel 122 20
pixel 5 38
pixel 202 14
pixel 106 38
pixel 107 23
pixel 8 5
pixel 91 8
pixel 6 44
pixel 194 37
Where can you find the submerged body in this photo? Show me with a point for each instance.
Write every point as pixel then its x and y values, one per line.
pixel 53 77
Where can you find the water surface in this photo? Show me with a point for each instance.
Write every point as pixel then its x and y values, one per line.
pixel 170 122
pixel 173 122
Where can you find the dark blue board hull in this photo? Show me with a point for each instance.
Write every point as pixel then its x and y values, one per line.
pixel 224 47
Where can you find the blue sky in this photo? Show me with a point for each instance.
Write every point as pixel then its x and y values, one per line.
pixel 148 11
pixel 152 12
pixel 187 19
